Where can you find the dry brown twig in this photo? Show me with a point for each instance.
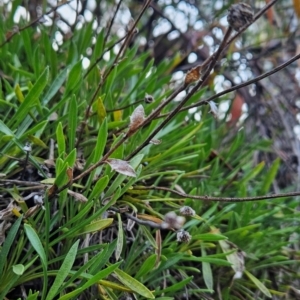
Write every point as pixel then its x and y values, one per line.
pixel 221 199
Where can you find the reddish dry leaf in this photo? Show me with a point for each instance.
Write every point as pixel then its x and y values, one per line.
pixel 121 166
pixel 52 190
pixel 150 218
pixel 270 14
pixel 297 7
pixel 70 174
pixel 193 75
pixel 236 109
pixel 77 196
pixel 136 119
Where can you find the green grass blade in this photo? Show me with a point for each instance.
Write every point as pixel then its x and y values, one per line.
pixel 73 120
pixel 206 271
pixel 99 187
pixel 102 274
pixel 61 143
pixel 38 247
pixel 120 238
pixel 63 271
pixel 133 284
pixel 55 86
pixel 8 242
pixel 259 284
pixel 30 99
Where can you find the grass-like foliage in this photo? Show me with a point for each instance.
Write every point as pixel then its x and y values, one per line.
pixel 95 179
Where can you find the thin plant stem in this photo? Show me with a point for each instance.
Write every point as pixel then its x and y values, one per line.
pixel 221 199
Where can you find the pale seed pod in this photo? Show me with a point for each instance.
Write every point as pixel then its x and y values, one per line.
pixel 171 220
pixel 187 211
pixel 148 99
pixel 239 15
pixel 183 236
pixel 27 147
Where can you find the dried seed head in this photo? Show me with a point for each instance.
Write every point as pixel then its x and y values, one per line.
pixel 239 15
pixel 148 99
pixel 27 147
pixel 38 199
pixel 136 119
pixel 183 236
pixel 121 166
pixel 171 220
pixel 187 211
pixel 193 75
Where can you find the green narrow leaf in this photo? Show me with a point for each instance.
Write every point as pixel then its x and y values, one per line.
pixel 177 286
pixel 74 78
pixel 61 143
pixel 10 284
pixel 98 151
pixel 148 264
pixel 270 176
pixel 105 258
pixel 101 111
pixel 206 271
pixel 99 187
pixel 19 93
pixel 258 283
pixel 72 126
pixel 133 284
pixel 27 46
pixel 95 226
pixel 30 99
pixel 36 141
pixel 8 242
pixel 253 173
pixel 38 247
pixel 102 274
pixel 101 141
pixel 36 130
pixel 36 243
pixel 63 271
pixel 5 129
pixel 120 238
pixel 55 86
pixel 98 49
pixel 32 296
pixel 62 177
pixel 85 37
pixel 94 261
pixel 209 237
pixel 149 236
pixel 71 158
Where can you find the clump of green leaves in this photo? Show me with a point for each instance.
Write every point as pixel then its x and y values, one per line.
pixel 109 223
